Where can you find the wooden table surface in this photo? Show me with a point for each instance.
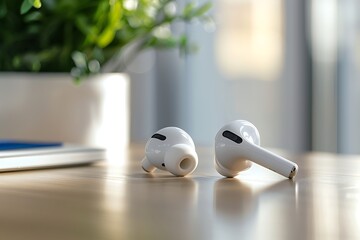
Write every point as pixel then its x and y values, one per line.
pixel 117 200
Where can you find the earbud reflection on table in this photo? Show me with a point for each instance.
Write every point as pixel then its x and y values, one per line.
pixel 237 144
pixel 170 149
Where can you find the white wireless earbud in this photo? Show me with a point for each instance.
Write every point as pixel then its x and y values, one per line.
pixel 170 149
pixel 237 144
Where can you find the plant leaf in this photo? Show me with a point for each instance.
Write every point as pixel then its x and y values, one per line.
pixel 79 59
pixel 202 9
pixel 188 9
pixel 33 16
pixel 36 3
pixel 3 9
pixel 106 37
pixel 25 6
pixel 114 24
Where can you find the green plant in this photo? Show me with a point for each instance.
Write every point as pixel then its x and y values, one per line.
pixel 81 36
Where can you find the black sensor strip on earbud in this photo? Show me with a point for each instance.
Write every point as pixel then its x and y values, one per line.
pixel 159 136
pixel 232 136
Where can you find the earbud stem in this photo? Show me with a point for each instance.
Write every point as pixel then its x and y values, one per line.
pixel 272 161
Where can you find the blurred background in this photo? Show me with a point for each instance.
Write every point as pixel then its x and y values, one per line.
pixel 290 67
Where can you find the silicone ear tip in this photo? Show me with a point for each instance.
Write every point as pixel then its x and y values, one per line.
pixel 181 160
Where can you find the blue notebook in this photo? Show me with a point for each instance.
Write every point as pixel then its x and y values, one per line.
pixel 18 145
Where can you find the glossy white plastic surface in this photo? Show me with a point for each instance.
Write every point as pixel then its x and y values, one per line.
pixel 232 157
pixel 176 153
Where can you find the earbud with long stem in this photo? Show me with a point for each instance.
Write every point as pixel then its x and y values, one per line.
pixel 237 145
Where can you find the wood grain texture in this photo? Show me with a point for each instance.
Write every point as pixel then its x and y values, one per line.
pixel 117 200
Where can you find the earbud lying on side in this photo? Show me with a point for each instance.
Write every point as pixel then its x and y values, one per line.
pixel 237 144
pixel 170 149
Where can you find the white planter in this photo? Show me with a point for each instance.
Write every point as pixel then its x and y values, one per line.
pixel 51 107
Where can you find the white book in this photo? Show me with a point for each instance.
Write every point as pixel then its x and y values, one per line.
pixel 15 156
